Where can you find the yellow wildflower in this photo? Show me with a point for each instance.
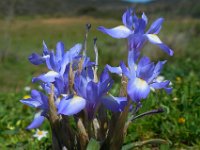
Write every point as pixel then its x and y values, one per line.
pixel 181 120
pixel 178 79
pixel 26 96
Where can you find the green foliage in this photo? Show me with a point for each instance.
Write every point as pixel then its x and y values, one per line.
pixel 13 121
pixel 182 103
pixel 93 144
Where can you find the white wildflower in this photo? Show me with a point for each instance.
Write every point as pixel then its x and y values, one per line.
pixel 40 134
pixel 27 88
pixel 160 79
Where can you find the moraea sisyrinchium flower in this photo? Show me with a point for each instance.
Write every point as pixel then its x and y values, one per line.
pixel 134 30
pixel 141 77
pixel 40 101
pixel 56 63
pixel 95 91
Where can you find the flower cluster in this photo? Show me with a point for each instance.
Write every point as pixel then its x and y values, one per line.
pixel 76 86
pixel 72 88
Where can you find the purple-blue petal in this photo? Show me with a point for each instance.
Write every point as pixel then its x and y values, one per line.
pixel 127 18
pixel 53 62
pixel 87 62
pixel 36 122
pixel 141 27
pixel 48 63
pixel 135 21
pixel 144 17
pixel 60 86
pixel 69 56
pixel 75 51
pixel 115 104
pixel 80 85
pixel 131 61
pixel 36 59
pixel 156 26
pixel 60 48
pixel 37 100
pixel 66 73
pixel 90 73
pixel 117 32
pixel 104 75
pixel 45 49
pixel 71 106
pixel 35 94
pixel 154 39
pixel 104 86
pixel 47 88
pixel 31 102
pixel 48 77
pixel 116 70
pixel 157 70
pixel 92 92
pixel 145 72
pixel 136 42
pixel 168 90
pixel 162 85
pixel 166 49
pixel 125 71
pixel 137 89
pixel 144 61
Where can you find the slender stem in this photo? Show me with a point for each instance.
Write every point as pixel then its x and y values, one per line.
pixel 115 135
pixel 151 112
pixel 118 135
pixel 80 65
pixel 71 80
pixel 88 26
pixel 53 119
pixel 140 144
pixel 96 127
pixel 132 118
pixel 96 52
pixel 83 136
pixel 89 129
pixel 52 108
pixel 96 60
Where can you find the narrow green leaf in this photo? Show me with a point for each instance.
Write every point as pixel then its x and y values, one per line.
pixel 141 143
pixel 93 145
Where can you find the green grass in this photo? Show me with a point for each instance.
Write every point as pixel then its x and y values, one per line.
pixel 21 37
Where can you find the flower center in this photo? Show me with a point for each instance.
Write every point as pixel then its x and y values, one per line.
pixel 40 132
pixel 141 83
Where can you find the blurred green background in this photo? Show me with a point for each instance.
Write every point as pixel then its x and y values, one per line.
pixel 25 24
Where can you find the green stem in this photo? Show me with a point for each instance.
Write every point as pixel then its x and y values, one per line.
pixel 142 143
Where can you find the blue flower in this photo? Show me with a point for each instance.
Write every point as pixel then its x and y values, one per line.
pixel 37 59
pixel 115 104
pixel 134 30
pixel 58 63
pixel 94 92
pixel 40 101
pixel 70 105
pixel 141 77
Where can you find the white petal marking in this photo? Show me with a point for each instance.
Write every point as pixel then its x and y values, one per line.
pixel 154 38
